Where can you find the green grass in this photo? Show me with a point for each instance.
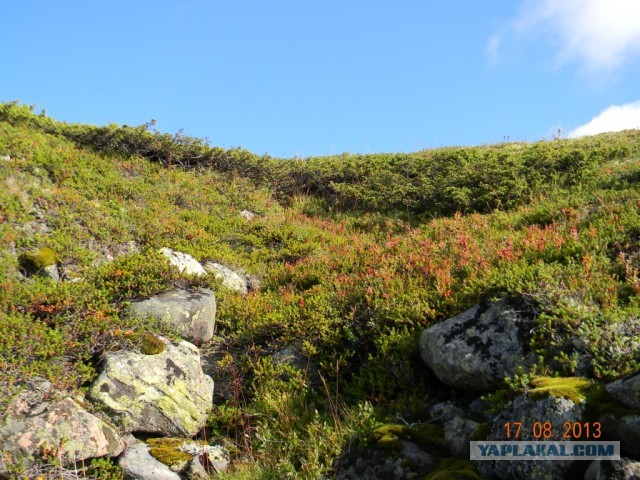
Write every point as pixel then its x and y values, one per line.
pixel 356 255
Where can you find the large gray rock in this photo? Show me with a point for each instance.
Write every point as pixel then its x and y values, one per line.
pixel 528 410
pixel 138 464
pixel 626 391
pixel 478 348
pixel 184 262
pixel 192 313
pixel 230 279
pixel 40 417
pixel 623 469
pixel 166 394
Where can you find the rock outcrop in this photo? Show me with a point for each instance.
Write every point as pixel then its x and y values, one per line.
pixel 166 394
pixel 478 348
pixel 41 420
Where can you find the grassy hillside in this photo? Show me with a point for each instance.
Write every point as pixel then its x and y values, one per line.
pixel 356 254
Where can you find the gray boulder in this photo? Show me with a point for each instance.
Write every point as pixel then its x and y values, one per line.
pixel 626 429
pixel 184 262
pixel 623 469
pixel 166 394
pixel 230 279
pixel 40 416
pixel 192 313
pixel 458 432
pixel 138 464
pixel 626 391
pixel 478 348
pixel 527 410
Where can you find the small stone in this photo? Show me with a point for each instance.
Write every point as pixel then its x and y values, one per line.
pixel 184 262
pixel 248 215
pixel 230 279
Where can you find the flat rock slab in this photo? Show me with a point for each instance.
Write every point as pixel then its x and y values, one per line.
pixel 191 312
pixel 35 418
pixel 165 394
pixel 478 348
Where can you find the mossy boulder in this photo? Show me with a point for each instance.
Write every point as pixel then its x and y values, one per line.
pixel 165 394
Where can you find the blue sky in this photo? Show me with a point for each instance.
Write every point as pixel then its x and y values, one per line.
pixel 302 78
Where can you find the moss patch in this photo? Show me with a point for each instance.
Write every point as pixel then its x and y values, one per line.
pixel 453 468
pixel 34 261
pixel 151 344
pixel 425 435
pixel 167 450
pixel 571 388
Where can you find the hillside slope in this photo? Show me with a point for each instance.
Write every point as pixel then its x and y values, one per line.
pixel 351 257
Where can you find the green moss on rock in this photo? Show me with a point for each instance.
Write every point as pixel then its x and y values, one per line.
pixel 151 344
pixel 453 468
pixel 571 388
pixel 34 261
pixel 424 435
pixel 167 450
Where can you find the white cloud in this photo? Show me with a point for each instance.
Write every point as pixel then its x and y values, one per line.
pixel 602 34
pixel 613 119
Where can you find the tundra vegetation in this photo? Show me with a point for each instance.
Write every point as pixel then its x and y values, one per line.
pixel 356 254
